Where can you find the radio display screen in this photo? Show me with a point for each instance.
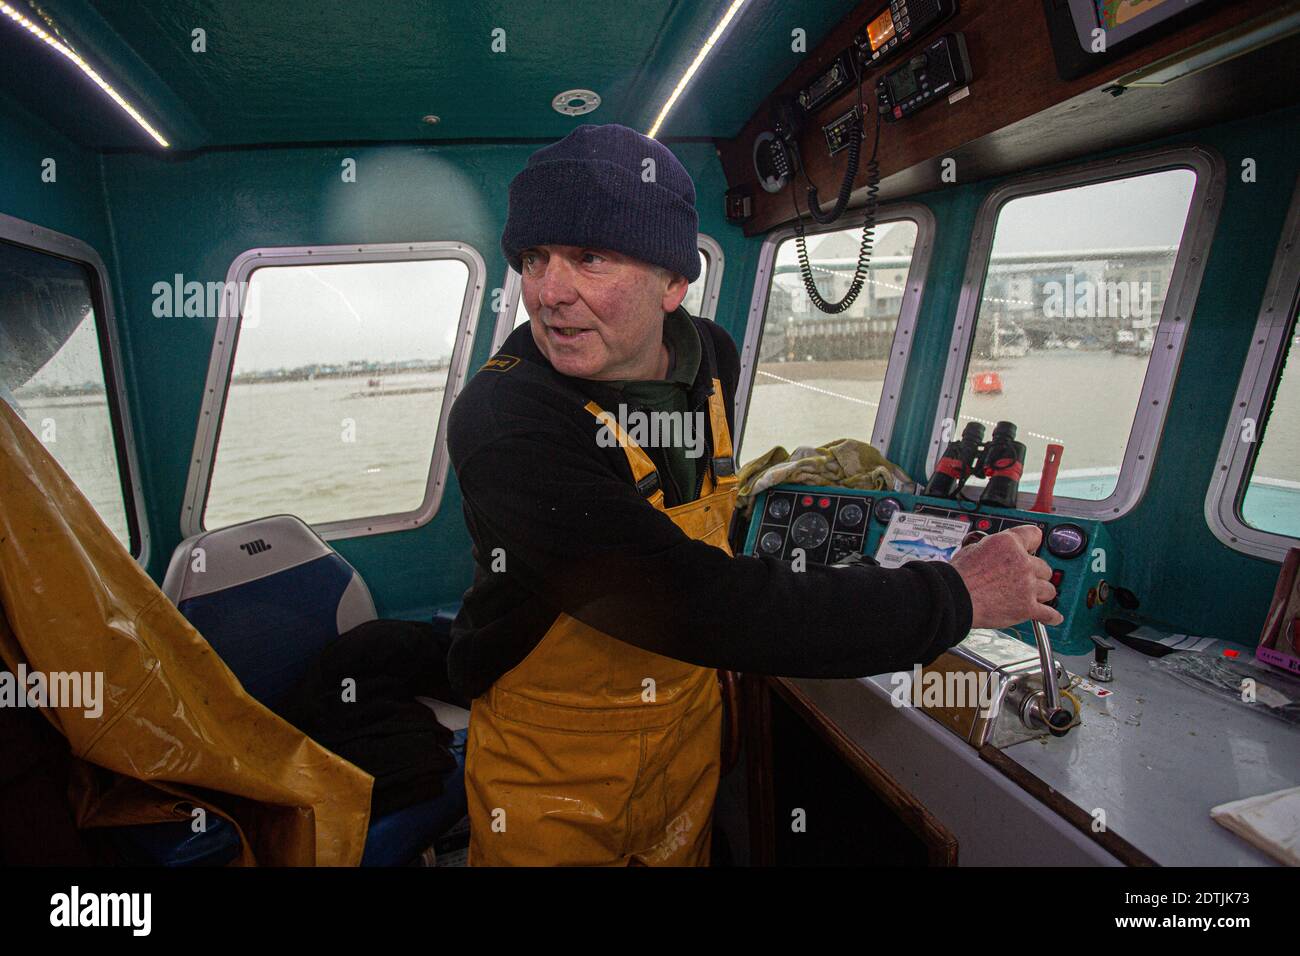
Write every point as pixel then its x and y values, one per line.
pixel 880 30
pixel 902 84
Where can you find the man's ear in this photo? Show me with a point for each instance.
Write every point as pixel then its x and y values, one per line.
pixel 676 290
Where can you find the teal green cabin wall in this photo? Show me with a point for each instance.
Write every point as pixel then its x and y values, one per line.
pixel 75 204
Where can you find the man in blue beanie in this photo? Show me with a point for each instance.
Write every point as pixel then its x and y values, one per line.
pixel 595 458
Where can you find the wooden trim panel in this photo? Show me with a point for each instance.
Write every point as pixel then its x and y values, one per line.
pixel 1019 113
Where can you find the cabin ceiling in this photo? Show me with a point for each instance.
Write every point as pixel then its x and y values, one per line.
pixel 301 71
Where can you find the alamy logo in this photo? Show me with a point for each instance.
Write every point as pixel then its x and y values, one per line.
pixel 947 689
pixel 653 430
pixel 205 300
pixel 71 690
pixel 1086 299
pixel 254 547
pixel 74 908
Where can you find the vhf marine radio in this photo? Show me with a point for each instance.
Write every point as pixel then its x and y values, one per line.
pixel 896 26
pixel 939 69
pixel 897 23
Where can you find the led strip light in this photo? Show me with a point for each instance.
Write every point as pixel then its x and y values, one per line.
pixel 695 65
pixel 36 31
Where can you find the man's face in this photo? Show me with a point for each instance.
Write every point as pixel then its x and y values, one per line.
pixel 598 314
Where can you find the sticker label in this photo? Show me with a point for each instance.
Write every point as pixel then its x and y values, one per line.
pixel 1095 689
pixel 913 537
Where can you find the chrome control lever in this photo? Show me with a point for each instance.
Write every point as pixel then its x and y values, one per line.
pixel 1044 708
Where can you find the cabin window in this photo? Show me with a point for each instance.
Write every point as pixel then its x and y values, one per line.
pixel 701 297
pixel 57 371
pixel 1253 504
pixel 1271 500
pixel 337 384
pixel 1072 319
pixel 808 377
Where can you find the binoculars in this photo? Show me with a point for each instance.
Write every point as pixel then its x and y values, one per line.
pixel 1001 460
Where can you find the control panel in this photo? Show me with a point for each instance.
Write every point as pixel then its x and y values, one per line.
pixel 827 524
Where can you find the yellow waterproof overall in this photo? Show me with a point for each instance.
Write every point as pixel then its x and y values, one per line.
pixel 592 752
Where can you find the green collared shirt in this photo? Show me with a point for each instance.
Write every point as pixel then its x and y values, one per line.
pixel 671 394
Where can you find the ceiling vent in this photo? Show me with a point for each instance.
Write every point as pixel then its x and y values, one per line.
pixel 575 102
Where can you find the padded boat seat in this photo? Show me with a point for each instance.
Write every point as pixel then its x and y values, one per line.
pixel 269 595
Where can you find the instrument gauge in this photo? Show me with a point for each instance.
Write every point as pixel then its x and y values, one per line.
pixel 1067 541
pixel 851 515
pixel 885 509
pixel 810 530
pixel 771 542
pixel 779 508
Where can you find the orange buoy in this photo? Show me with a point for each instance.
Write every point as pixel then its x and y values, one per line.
pixel 986 383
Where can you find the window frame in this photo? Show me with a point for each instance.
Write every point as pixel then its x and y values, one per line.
pixel 225 342
pixel 712 278
pixel 1170 333
pixel 29 235
pixel 512 291
pixel 900 350
pixel 1260 376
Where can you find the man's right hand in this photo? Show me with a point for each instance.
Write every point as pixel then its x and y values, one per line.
pixel 1007 584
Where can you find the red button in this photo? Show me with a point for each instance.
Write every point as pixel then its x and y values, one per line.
pixel 984 524
pixel 824 503
pixel 807 500
pixel 1057 577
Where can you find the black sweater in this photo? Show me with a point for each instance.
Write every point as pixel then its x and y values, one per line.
pixel 577 537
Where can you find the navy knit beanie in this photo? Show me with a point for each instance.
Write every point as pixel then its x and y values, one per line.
pixel 595 188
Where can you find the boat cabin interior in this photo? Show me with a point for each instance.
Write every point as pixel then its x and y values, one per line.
pixel 985 266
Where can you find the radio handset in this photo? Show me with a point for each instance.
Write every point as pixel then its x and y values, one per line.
pixel 787 123
pixel 776 152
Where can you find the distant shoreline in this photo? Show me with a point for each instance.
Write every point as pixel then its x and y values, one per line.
pixel 312 372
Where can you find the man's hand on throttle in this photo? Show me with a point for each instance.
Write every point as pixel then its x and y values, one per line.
pixel 1007 584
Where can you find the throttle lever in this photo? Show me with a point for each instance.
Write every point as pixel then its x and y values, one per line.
pixel 1044 708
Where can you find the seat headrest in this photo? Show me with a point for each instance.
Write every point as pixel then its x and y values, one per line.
pixel 222 558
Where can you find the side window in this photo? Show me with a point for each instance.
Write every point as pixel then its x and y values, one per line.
pixel 338 385
pixel 695 294
pixel 1253 503
pixel 810 377
pixel 1271 501
pixel 1072 320
pixel 56 372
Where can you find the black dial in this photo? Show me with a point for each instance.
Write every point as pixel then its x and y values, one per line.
pixel 771 542
pixel 779 508
pixel 1067 540
pixel 851 516
pixel 885 508
pixel 809 530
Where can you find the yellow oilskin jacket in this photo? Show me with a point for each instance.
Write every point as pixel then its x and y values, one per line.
pixel 176 726
pixel 592 752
